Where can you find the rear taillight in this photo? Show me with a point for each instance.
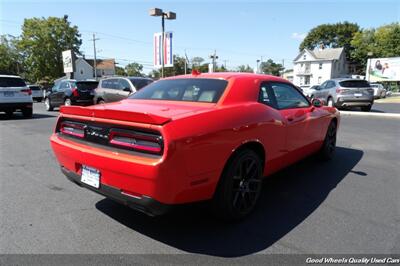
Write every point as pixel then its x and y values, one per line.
pixel 27 91
pixel 340 90
pixel 73 129
pixel 75 92
pixel 138 141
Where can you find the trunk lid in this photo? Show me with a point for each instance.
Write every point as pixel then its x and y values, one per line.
pixel 140 111
pixel 356 87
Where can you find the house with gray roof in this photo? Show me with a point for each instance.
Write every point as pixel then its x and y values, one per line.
pixel 313 67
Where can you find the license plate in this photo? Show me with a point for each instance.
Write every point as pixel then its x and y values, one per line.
pixel 90 176
pixel 9 93
pixel 357 94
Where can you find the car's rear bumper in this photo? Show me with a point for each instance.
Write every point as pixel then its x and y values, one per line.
pixel 144 204
pixel 84 102
pixel 354 102
pixel 158 178
pixel 13 106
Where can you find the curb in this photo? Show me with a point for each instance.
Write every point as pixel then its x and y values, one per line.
pixel 369 114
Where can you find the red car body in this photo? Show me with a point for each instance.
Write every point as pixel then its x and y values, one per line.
pixel 191 142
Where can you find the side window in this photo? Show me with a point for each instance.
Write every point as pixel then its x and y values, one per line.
pixel 288 97
pixel 63 86
pixel 323 85
pixel 330 84
pixel 124 84
pixel 266 96
pixel 115 84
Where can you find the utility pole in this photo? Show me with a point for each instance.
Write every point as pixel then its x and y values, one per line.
pixel 214 57
pixel 95 59
pixel 186 62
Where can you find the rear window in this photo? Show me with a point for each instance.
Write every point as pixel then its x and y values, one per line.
pixel 34 88
pixel 188 90
pixel 86 85
pixel 140 83
pixel 11 82
pixel 354 84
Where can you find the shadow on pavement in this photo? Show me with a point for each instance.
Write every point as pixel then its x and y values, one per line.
pixel 17 116
pixel 288 198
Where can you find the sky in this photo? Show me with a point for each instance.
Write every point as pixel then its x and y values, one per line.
pixel 240 31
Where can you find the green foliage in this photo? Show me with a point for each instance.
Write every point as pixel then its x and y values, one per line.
pixel 177 69
pixel 42 42
pixel 245 68
pixel 271 68
pixel 10 58
pixel 331 36
pixel 120 71
pixel 134 70
pixel 381 42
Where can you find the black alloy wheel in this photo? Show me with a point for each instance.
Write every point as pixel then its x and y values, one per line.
pixel 240 186
pixel 328 149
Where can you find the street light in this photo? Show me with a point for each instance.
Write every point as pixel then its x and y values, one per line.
pixel 158 12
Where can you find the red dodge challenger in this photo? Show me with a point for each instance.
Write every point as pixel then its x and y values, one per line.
pixel 193 138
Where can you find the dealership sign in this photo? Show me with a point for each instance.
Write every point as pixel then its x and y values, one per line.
pixel 383 69
pixel 166 47
pixel 68 57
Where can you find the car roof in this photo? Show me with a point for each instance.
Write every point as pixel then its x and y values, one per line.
pixel 229 75
pixel 346 79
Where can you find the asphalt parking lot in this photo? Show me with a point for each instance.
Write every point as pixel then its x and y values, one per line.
pixel 350 205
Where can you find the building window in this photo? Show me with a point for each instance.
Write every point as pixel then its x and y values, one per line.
pixel 304 57
pixel 81 71
pixel 301 81
pixel 301 65
pixel 319 80
pixel 320 66
pixel 307 80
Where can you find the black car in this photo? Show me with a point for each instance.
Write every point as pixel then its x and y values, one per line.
pixel 70 92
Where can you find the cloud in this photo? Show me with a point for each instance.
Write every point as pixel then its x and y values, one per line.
pixel 298 36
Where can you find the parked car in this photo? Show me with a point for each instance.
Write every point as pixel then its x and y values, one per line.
pixel 15 95
pixel 70 92
pixel 309 92
pixel 343 93
pixel 379 90
pixel 118 88
pixel 37 92
pixel 191 138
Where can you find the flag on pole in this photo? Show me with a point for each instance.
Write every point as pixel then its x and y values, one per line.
pixel 167 47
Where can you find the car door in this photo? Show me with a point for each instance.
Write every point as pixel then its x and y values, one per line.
pixel 109 90
pixel 56 93
pixel 329 90
pixel 300 119
pixel 60 95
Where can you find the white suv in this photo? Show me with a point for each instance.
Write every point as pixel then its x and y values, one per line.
pixel 15 95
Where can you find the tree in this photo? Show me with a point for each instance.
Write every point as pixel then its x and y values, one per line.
pixel 120 71
pixel 42 42
pixel 196 61
pixel 331 36
pixel 381 42
pixel 245 68
pixel 271 68
pixel 10 57
pixel 134 69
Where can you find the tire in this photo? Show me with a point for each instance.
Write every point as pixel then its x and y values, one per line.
pixel 27 112
pixel 383 95
pixel 67 102
pixel 48 105
pixel 329 146
pixel 330 102
pixel 101 101
pixel 239 187
pixel 366 108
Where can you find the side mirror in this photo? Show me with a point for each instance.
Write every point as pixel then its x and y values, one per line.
pixel 318 88
pixel 317 102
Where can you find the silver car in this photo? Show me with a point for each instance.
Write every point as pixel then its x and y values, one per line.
pixel 118 88
pixel 343 93
pixel 379 90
